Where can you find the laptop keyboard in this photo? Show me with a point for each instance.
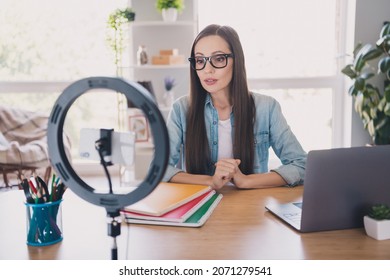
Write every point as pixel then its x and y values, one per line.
pixel 298 204
pixel 293 216
pixel 296 216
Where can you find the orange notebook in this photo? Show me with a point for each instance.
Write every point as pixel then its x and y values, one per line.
pixel 166 197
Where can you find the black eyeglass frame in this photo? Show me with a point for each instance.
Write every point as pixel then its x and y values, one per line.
pixel 208 58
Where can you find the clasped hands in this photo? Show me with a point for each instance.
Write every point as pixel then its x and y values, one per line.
pixel 227 170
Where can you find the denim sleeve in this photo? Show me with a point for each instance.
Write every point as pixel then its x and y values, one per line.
pixel 176 131
pixel 287 148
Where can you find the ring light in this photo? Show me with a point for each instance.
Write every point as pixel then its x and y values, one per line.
pixel 142 99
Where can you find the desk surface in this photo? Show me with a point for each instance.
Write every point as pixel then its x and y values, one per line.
pixel 239 228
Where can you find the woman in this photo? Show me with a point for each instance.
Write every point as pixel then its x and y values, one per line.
pixel 223 130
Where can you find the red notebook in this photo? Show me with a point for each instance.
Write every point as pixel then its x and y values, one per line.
pixel 179 214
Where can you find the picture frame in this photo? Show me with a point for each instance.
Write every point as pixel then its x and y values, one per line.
pixel 139 124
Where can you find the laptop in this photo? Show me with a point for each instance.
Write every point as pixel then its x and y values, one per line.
pixel 339 188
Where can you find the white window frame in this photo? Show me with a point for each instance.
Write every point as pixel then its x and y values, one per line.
pixel 332 82
pixel 341 102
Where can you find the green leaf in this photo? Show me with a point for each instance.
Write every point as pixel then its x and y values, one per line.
pixel 371 128
pixel 373 93
pixel 352 91
pixel 387 93
pixel 382 104
pixel 359 83
pixel 359 105
pixel 373 113
pixel 387 109
pixel 380 212
pixel 367 75
pixel 359 61
pixel 357 49
pixel 382 42
pixel 349 71
pixel 366 116
pixel 385 30
pixel 372 54
pixel 384 65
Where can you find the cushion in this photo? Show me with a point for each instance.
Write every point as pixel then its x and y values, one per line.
pixel 23 137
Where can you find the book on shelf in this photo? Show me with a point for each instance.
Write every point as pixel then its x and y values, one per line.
pixel 197 219
pixel 166 197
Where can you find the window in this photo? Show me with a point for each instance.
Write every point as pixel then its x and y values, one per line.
pixel 291 50
pixel 46 45
pixel 47 40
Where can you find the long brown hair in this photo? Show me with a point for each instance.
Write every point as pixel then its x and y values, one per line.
pixel 197 150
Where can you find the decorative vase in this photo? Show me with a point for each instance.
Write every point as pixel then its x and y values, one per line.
pixel 142 56
pixel 379 230
pixel 169 98
pixel 169 15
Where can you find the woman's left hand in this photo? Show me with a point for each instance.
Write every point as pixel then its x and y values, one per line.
pixel 239 179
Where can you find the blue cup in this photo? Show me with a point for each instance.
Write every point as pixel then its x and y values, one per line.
pixel 44 223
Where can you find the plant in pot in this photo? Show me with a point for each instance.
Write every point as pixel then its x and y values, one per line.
pixel 169 9
pixel 377 222
pixel 116 23
pixel 372 103
pixel 169 96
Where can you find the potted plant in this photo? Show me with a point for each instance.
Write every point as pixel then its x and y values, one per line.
pixel 371 103
pixel 377 222
pixel 169 96
pixel 169 9
pixel 116 23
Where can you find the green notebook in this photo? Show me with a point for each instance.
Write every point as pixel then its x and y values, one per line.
pixel 195 220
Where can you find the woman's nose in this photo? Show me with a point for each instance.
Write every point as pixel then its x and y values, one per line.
pixel 208 67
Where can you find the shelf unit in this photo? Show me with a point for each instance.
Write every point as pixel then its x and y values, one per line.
pixel 150 30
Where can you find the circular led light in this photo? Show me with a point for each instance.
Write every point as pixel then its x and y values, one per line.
pixel 142 99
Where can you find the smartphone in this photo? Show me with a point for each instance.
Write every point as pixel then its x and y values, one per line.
pixel 122 148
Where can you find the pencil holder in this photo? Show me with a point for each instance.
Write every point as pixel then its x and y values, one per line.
pixel 44 223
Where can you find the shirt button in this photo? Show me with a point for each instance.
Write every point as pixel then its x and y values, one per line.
pixel 214 122
pixel 215 142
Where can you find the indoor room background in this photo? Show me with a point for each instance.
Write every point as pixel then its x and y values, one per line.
pixel 294 50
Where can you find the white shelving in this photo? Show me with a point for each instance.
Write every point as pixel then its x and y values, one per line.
pixel 162 23
pixel 159 67
pixel 150 30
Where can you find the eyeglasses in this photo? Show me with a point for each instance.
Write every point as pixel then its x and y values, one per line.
pixel 217 61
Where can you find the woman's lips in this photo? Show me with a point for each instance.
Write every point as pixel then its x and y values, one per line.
pixel 210 82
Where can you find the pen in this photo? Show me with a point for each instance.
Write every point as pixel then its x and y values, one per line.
pixel 32 187
pixel 45 190
pixel 52 187
pixel 27 191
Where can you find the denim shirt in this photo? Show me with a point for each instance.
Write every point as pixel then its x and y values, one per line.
pixel 270 130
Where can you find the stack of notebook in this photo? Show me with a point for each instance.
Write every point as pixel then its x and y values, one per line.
pixel 173 204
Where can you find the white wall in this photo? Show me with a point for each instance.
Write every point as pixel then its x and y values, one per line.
pixel 369 18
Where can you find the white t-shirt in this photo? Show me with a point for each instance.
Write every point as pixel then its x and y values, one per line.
pixel 225 142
